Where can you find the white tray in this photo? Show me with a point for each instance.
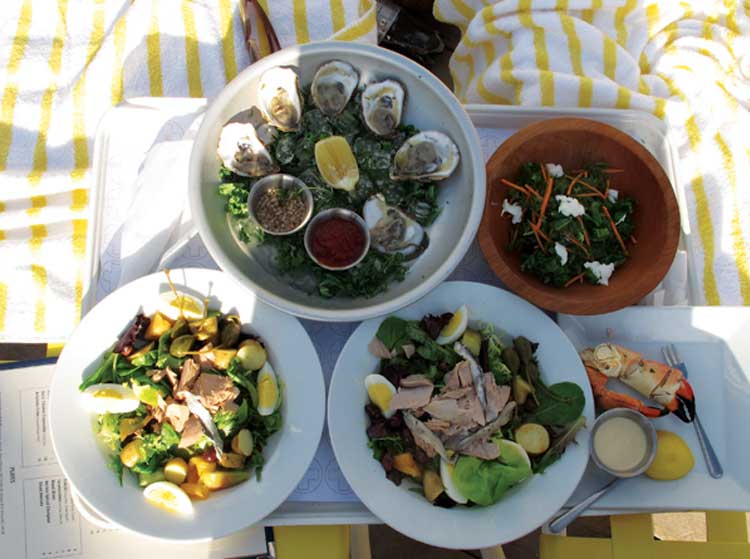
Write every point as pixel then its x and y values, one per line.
pixel 128 131
pixel 712 341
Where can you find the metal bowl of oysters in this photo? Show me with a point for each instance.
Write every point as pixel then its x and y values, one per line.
pixel 366 130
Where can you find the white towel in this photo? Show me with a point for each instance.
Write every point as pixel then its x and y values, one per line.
pixel 62 65
pixel 687 62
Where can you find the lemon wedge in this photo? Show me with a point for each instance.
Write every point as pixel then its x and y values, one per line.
pixel 673 459
pixel 455 328
pixel 336 163
pixel 168 496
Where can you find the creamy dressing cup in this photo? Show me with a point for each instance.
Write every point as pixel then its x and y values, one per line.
pixel 640 466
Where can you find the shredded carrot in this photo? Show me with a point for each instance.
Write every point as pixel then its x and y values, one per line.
pixel 606 190
pixel 612 171
pixel 532 190
pixel 515 186
pixel 588 195
pixel 583 228
pixel 571 281
pixel 633 240
pixel 538 241
pixel 591 188
pixel 544 171
pixel 545 201
pixel 541 233
pixel 576 242
pixel 573 182
pixel 614 229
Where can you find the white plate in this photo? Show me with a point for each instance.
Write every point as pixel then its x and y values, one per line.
pixel 288 453
pixel 527 506
pixel 430 105
pixel 713 343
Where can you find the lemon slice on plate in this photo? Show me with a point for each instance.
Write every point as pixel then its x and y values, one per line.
pixel 168 496
pixel 455 328
pixel 336 163
pixel 181 304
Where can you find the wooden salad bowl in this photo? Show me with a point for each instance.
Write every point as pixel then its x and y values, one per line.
pixel 575 143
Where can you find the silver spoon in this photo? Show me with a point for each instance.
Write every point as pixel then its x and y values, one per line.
pixel 562 521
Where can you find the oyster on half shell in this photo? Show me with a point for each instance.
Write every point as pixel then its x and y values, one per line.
pixel 242 152
pixel 391 230
pixel 426 156
pixel 382 106
pixel 333 86
pixel 279 98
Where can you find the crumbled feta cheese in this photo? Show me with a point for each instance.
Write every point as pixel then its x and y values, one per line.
pixel 562 252
pixel 612 195
pixel 602 271
pixel 622 218
pixel 569 207
pixel 513 209
pixel 554 170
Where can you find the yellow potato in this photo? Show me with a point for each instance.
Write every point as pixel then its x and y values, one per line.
pixel 222 480
pixel 176 470
pixel 242 443
pixel 196 491
pixel 405 464
pixel 232 461
pixel 533 437
pixel 131 453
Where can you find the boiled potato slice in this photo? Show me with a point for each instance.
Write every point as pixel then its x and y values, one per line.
pixel 533 437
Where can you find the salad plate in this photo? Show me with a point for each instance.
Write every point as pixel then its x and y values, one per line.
pixel 223 390
pixel 522 507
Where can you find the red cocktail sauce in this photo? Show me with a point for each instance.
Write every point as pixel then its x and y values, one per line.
pixel 337 242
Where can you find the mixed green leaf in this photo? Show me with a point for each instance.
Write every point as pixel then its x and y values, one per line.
pixel 294 152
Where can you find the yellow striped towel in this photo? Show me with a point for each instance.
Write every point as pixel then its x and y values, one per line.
pixel 687 62
pixel 62 64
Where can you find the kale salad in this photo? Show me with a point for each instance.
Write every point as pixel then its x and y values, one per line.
pixel 569 226
pixel 462 412
pixel 383 170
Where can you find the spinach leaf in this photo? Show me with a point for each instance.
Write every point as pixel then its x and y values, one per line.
pixel 393 444
pixel 392 332
pixel 103 373
pixel 229 422
pixel 240 378
pixel 557 449
pixel 559 404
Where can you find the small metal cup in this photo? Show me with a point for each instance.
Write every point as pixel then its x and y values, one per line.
pixel 345 214
pixel 648 430
pixel 281 182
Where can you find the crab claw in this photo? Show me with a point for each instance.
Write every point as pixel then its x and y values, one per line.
pixel 685 400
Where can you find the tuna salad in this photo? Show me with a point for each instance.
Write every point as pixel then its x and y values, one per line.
pixel 185 401
pixel 462 412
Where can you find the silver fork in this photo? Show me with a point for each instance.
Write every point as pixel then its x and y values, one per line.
pixel 712 461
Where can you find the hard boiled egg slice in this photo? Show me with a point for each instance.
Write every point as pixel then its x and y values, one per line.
pixel 168 496
pixel 446 476
pixel 455 328
pixel 110 398
pixel 381 392
pixel 172 304
pixel 268 390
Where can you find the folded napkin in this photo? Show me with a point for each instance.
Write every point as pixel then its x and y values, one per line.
pixel 687 62
pixel 62 66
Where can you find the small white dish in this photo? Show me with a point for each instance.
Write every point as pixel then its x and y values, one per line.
pixel 713 343
pixel 287 455
pixel 527 506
